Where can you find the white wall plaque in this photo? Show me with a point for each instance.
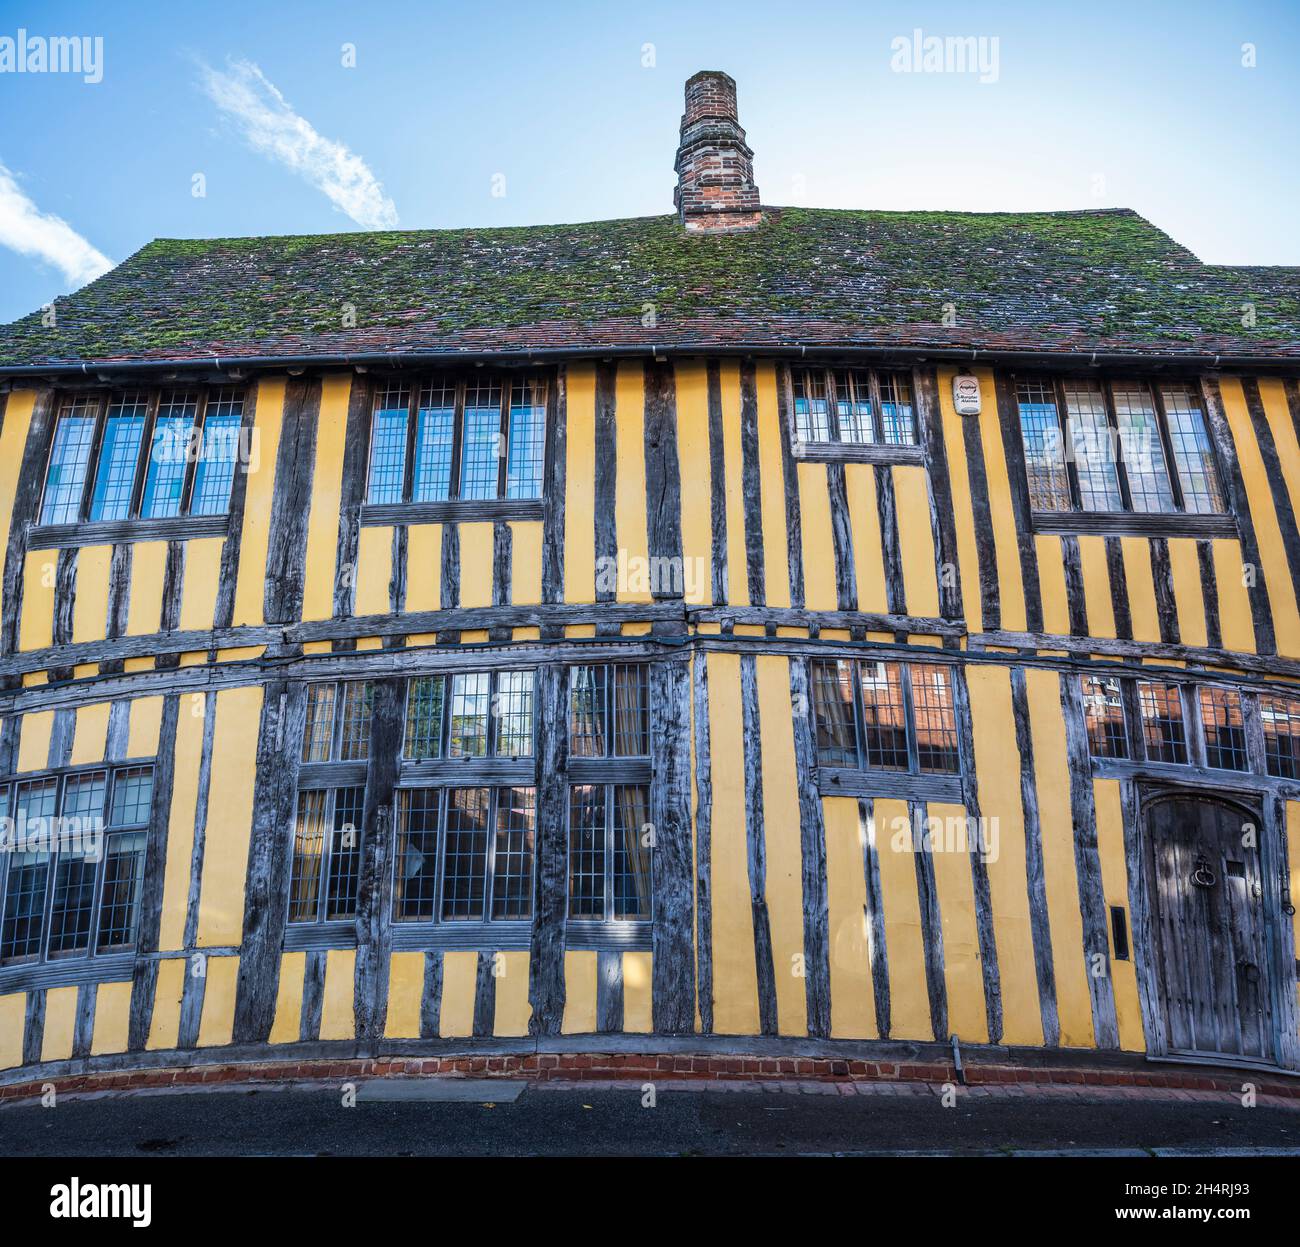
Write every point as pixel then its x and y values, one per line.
pixel 966 394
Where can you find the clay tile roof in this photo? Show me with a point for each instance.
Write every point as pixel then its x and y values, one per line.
pixel 1018 282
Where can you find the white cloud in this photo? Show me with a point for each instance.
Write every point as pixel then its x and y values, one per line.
pixel 29 231
pixel 271 126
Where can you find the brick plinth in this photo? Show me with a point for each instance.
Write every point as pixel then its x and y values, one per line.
pixel 614 1067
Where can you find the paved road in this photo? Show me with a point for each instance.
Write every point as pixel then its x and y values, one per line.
pixel 545 1121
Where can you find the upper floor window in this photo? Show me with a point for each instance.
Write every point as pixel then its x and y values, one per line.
pixel 1280 717
pixel 73 874
pixel 475 714
pixel 143 455
pixel 1117 446
pixel 474 439
pixel 853 406
pixel 1176 723
pixel 886 716
pixel 609 709
pixel 338 722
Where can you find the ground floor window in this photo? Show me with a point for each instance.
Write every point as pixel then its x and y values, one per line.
pixel 73 872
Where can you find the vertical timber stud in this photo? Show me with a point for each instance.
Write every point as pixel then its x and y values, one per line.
pixel 790 478
pixel 812 852
pixel 286 560
pixel 943 522
pixel 546 964
pixel 27 501
pixel 703 844
pixel 927 893
pixel 144 977
pixel 1035 876
pixel 764 968
pixel 1087 861
pixel 224 609
pixel 1075 598
pixel 986 548
pixel 874 910
pixel 266 889
pixel 1014 452
pixel 751 485
pixel 605 433
pixel 374 885
pixel 1239 506
pixel 1162 576
pixel 553 500
pixel 663 489
pixel 673 966
pixel 717 486
pixel 978 866
pixel 352 493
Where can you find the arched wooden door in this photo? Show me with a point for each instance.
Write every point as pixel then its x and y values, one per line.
pixel 1210 927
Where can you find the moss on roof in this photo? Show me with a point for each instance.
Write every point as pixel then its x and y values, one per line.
pixel 1015 281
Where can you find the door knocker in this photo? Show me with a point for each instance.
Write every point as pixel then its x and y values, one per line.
pixel 1203 876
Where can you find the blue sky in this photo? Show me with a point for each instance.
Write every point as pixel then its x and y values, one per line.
pixel 1145 106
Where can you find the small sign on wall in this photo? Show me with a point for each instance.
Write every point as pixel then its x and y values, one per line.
pixel 966 394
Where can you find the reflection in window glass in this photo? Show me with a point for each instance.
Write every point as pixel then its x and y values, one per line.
pixel 1162 722
pixel 119 453
pixel 69 460
pixel 1225 732
pixel 1103 711
pixel 1090 443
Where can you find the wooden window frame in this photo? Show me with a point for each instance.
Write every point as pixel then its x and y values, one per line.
pixel 913 783
pixel 1076 520
pixel 837 451
pixel 134 526
pixel 407 510
pixel 59 776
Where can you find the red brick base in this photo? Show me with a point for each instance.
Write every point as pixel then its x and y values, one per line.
pixel 614 1066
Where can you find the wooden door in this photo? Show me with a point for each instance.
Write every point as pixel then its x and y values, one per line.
pixel 1210 923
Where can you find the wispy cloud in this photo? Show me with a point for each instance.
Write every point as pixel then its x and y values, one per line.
pixel 29 231
pixel 271 126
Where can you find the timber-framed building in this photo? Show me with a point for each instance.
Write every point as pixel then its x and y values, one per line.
pixel 752 629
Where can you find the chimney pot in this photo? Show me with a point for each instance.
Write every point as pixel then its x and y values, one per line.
pixel 715 169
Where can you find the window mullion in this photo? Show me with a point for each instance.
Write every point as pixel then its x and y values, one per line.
pixel 457 439
pixel 194 452
pixel 1193 727
pixel 1162 427
pixel 607 911
pixel 877 409
pixel 440 847
pixel 412 446
pixel 51 873
pixel 909 718
pixel 490 856
pixel 503 444
pixel 859 716
pixel 832 408
pixel 1112 420
pixel 101 867
pixel 1067 443
pixel 336 728
pixel 143 455
pixel 92 460
pixel 327 853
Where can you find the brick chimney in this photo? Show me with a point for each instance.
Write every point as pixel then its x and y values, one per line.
pixel 715 170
